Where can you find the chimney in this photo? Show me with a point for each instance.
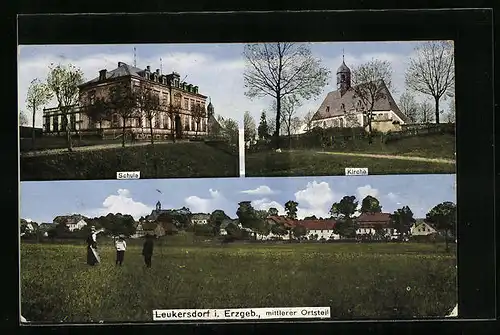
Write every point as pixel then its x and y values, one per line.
pixel 148 68
pixel 102 74
pixel 120 64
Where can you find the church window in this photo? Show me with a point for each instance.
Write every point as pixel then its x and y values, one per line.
pixel 342 106
pixel 328 109
pixel 342 76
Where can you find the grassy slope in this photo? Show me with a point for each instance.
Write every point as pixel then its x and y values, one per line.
pixel 180 160
pixel 308 162
pixel 355 280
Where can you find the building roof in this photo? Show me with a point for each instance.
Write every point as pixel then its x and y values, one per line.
pixel 69 219
pixel 343 68
pixel 282 220
pixel 373 219
pixel 334 100
pixel 122 70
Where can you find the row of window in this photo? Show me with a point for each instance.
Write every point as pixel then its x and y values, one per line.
pixel 55 123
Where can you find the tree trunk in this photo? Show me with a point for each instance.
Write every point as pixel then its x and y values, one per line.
pixel 172 127
pixel 278 117
pixel 33 130
pixel 370 139
pixel 151 129
pixel 437 109
pixel 123 132
pixel 68 134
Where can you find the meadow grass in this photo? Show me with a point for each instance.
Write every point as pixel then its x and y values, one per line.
pixel 390 281
pixel 161 160
pixel 312 163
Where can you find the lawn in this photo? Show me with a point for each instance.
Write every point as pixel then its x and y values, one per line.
pixel 356 280
pixel 312 163
pixel 161 160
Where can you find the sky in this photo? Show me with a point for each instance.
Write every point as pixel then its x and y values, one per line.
pixel 216 68
pixel 42 201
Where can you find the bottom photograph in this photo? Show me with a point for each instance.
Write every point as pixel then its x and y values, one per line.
pixel 244 249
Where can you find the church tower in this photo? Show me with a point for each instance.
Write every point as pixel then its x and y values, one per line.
pixel 343 78
pixel 158 206
pixel 210 109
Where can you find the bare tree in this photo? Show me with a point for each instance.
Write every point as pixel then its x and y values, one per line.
pixel 198 113
pixel 308 120
pixel 122 103
pixel 425 112
pixel 172 109
pixel 147 103
pixel 451 112
pixel 64 81
pixel 372 82
pixel 432 71
pixel 97 111
pixel 351 119
pixel 23 119
pixel 249 127
pixel 38 95
pixel 271 124
pixel 409 106
pixel 288 112
pixel 295 124
pixel 229 130
pixel 282 69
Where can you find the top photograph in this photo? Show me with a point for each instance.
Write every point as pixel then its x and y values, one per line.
pixel 227 110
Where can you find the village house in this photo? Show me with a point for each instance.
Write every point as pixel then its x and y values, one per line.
pixel 73 222
pixel 168 87
pixel 369 223
pixel 44 228
pixel 139 230
pixel 342 108
pixel 158 211
pixel 200 218
pixel 319 229
pixel 422 228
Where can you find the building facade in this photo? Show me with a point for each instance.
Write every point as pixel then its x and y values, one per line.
pixel 170 90
pixel 341 108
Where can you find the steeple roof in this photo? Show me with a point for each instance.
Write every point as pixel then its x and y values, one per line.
pixel 343 68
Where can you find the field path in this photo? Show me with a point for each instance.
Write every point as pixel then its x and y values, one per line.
pixel 408 158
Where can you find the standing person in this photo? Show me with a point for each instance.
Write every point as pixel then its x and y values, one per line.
pixel 120 246
pixel 92 255
pixel 147 250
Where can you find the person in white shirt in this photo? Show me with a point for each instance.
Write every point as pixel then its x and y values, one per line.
pixel 120 246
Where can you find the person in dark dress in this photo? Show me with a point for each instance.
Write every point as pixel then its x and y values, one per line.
pixel 92 244
pixel 147 250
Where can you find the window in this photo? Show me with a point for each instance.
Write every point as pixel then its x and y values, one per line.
pixel 157 122
pixel 328 109
pixel 72 122
pixel 55 123
pixel 186 103
pixel 342 77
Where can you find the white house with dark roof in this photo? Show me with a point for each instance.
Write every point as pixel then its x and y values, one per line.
pixel 422 228
pixel 341 108
pixel 73 222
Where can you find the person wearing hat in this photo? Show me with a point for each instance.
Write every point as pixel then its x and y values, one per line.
pixel 120 246
pixel 92 255
pixel 147 250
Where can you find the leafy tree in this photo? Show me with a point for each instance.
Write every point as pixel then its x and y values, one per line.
pixel 282 69
pixel 198 112
pixel 97 111
pixel 216 218
pixel 432 71
pixel 444 218
pixel 38 95
pixel 63 82
pixel 370 205
pixel 230 130
pixel 409 106
pixel 122 102
pixel 298 231
pixel 345 227
pixel 402 220
pixel 345 208
pixel 263 128
pixel 278 229
pixel 371 81
pixel 248 127
pixel 291 209
pixel 272 212
pixel 23 119
pixel 147 103
pixel 247 215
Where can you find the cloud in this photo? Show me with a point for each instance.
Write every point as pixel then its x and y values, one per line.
pixel 261 190
pixel 364 191
pixel 206 205
pixel 265 203
pixel 315 199
pixel 123 203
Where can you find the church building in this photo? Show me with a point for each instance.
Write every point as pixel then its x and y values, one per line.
pixel 341 108
pixel 170 89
